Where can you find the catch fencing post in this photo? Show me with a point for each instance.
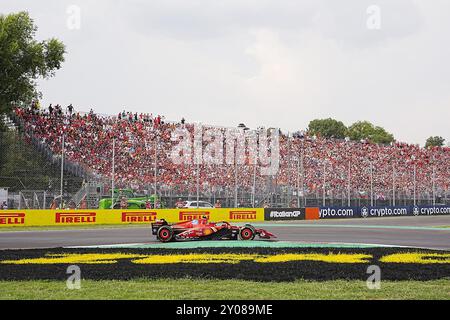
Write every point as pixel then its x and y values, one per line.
pixel 62 169
pixel 324 181
pixel 112 173
pixel 254 181
pixel 298 183
pixel 198 183
pixel 235 183
pixel 156 167
pixel 371 184
pixel 349 184
pixel 415 183
pixel 303 177
pixel 433 185
pixel 393 185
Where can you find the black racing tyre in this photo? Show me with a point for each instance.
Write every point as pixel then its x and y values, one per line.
pixel 165 234
pixel 246 234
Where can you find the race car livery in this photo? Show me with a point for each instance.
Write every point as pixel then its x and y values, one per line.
pixel 202 229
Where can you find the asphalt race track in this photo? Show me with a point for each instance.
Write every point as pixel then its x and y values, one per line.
pixel 423 232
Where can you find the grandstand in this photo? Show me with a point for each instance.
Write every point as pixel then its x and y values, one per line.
pixel 313 170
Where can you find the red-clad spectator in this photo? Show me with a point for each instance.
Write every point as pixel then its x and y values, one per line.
pixel 179 203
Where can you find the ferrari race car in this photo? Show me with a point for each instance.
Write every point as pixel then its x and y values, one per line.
pixel 202 229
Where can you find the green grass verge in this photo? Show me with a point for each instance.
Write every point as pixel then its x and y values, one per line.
pixel 79 227
pixel 187 289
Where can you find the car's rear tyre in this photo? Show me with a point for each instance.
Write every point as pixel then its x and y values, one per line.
pixel 165 234
pixel 246 234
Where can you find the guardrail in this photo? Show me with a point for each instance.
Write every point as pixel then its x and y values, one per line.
pixel 31 218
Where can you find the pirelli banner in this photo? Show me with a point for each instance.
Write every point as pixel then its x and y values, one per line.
pixel 387 211
pixel 29 218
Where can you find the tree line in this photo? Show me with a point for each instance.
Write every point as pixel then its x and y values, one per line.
pixel 360 130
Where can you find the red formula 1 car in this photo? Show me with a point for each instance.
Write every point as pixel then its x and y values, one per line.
pixel 202 229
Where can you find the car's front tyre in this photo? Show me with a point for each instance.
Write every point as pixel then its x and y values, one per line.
pixel 247 233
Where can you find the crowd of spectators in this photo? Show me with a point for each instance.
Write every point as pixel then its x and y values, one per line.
pixel 140 139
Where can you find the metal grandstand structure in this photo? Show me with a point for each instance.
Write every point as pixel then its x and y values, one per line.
pixel 96 187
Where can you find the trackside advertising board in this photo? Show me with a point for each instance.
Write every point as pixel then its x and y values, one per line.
pixel 29 218
pixel 284 214
pixel 388 211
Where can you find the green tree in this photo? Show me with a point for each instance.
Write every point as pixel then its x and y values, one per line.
pixel 23 60
pixel 434 142
pixel 328 128
pixel 366 130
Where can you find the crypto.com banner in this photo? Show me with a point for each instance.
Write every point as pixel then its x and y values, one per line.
pixel 381 211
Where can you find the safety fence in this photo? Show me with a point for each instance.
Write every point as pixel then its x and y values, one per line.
pixel 307 178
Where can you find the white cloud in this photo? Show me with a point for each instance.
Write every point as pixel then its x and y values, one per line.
pixel 274 63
